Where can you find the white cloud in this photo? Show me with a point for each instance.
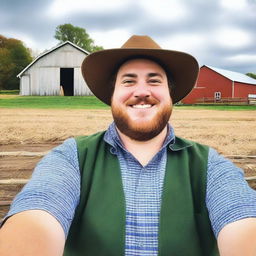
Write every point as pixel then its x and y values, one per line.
pixel 234 5
pixel 110 39
pixel 243 58
pixel 167 10
pixel 231 37
pixel 191 42
pixel 60 8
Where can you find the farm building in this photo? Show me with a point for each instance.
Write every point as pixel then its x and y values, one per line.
pixel 55 72
pixel 219 85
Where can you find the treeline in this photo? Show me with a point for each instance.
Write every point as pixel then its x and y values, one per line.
pixel 14 57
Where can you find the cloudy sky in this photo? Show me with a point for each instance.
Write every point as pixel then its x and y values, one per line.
pixel 219 33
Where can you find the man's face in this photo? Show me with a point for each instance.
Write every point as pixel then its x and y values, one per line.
pixel 141 103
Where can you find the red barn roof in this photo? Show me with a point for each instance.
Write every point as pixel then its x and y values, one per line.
pixel 234 76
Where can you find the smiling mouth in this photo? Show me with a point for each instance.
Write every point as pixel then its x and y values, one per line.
pixel 141 106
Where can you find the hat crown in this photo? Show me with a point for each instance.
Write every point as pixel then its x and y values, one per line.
pixel 141 42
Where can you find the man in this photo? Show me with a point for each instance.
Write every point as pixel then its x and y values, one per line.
pixel 135 189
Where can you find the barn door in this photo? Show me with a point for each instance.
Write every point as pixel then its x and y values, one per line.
pixel 67 81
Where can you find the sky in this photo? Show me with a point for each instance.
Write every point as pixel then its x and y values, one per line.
pixel 219 33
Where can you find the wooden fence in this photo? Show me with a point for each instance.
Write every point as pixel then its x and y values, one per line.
pixel 239 101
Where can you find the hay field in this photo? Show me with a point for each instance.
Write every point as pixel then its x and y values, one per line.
pixel 230 132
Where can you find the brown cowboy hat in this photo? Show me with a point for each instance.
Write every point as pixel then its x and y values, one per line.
pixel 98 68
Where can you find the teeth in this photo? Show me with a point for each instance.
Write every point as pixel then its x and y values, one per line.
pixel 142 106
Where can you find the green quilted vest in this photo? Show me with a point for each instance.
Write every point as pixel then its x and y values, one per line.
pixel 98 228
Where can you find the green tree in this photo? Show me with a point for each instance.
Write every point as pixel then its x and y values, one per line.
pixel 252 75
pixel 14 57
pixel 76 35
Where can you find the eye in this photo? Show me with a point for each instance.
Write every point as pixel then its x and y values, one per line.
pixel 154 81
pixel 128 82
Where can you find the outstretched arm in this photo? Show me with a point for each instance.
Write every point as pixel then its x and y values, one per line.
pixel 31 233
pixel 232 207
pixel 55 190
pixel 238 238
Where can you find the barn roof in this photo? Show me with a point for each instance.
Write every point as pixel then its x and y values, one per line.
pixel 234 76
pixel 49 51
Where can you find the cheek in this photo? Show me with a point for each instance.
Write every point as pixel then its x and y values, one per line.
pixel 121 95
pixel 162 95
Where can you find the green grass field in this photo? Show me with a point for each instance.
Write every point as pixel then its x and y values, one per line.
pixel 86 102
pixel 52 102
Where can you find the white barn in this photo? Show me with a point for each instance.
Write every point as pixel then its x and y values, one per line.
pixel 55 72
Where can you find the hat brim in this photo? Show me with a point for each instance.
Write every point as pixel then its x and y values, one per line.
pixel 98 68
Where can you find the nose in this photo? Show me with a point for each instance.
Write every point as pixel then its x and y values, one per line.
pixel 141 90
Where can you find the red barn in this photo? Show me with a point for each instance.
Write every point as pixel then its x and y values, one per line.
pixel 220 85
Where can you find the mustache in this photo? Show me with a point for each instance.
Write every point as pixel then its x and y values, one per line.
pixel 142 100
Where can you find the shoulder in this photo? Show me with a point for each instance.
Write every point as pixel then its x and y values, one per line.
pixel 218 165
pixel 66 151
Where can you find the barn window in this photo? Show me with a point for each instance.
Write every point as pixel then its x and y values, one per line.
pixel 217 95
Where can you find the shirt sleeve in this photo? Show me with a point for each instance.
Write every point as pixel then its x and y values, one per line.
pixel 228 196
pixel 54 186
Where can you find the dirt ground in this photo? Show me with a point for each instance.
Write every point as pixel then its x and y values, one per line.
pixel 230 132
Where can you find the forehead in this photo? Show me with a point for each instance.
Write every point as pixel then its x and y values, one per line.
pixel 135 65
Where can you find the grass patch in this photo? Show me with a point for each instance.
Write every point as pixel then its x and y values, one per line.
pixel 53 102
pixel 10 92
pixel 88 102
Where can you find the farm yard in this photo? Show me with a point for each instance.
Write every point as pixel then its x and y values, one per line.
pixel 27 134
pixel 230 132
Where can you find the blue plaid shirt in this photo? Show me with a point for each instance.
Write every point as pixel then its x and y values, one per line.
pixel 143 189
pixel 55 188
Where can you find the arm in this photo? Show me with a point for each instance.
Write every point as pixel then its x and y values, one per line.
pixel 41 214
pixel 232 207
pixel 238 238
pixel 31 233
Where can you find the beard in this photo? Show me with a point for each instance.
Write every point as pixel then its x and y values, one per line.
pixel 141 130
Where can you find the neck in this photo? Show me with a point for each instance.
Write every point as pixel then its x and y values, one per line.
pixel 143 151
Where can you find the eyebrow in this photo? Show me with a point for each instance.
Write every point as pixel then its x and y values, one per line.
pixel 133 75
pixel 129 75
pixel 154 74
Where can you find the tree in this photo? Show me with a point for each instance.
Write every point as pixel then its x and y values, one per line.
pixel 14 57
pixel 76 35
pixel 252 75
